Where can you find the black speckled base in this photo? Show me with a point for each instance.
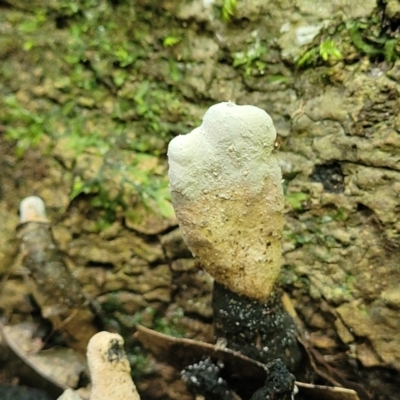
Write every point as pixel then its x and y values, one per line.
pixel 204 378
pixel 279 384
pixel 261 331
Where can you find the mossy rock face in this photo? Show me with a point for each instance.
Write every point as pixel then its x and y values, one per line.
pixel 93 91
pixel 349 133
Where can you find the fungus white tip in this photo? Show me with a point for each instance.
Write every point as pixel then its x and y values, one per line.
pixel 231 141
pixel 109 368
pixel 32 208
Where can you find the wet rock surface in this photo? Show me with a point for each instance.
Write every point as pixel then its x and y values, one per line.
pixel 339 127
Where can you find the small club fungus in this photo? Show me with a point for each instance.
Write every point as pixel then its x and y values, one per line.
pixel 226 189
pixel 56 291
pixel 32 209
pixel 225 183
pixel 109 368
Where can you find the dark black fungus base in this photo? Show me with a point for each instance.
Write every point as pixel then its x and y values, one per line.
pixel 205 378
pixel 261 331
pixel 279 384
pixel 208 379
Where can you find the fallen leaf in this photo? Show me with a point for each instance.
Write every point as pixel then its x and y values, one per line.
pixel 243 371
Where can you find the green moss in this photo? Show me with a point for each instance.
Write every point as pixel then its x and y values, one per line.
pixel 340 215
pixel 23 126
pixel 351 40
pixel 112 304
pixel 139 361
pixel 298 239
pixel 250 60
pixel 171 325
pixel 171 40
pixel 124 180
pixel 290 278
pixel 373 41
pixel 287 276
pixel 297 200
pixel 326 51
pixel 228 10
pixel 97 95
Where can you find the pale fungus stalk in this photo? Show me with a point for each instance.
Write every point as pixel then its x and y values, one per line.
pixel 226 189
pixel 56 291
pixel 109 368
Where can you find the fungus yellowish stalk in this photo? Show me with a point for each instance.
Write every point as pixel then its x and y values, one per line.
pixel 226 189
pixel 109 368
